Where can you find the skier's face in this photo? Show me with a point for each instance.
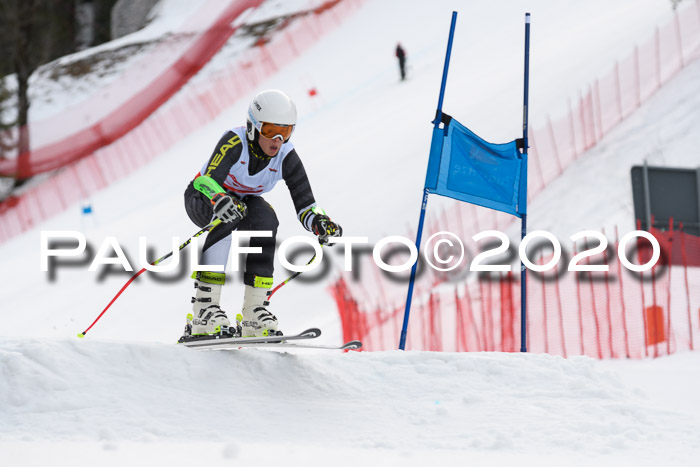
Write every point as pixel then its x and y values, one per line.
pixel 270 146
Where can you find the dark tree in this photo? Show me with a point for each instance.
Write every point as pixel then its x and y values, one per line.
pixel 25 58
pixel 33 32
pixel 6 143
pixel 63 28
pixel 103 21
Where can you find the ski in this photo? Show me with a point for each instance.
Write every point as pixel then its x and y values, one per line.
pixel 352 345
pixel 218 341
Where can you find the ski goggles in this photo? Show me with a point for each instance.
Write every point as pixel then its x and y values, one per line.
pixel 273 130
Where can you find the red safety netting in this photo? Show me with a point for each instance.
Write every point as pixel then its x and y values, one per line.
pixel 124 104
pixel 576 314
pixel 613 314
pixel 187 112
pixel 613 97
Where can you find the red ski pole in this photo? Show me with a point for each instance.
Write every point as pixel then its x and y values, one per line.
pixel 205 229
pixel 290 278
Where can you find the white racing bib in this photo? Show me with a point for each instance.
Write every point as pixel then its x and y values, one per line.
pixel 239 179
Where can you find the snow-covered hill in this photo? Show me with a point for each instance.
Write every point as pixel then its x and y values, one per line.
pixel 107 403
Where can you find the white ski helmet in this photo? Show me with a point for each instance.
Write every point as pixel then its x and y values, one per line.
pixel 273 107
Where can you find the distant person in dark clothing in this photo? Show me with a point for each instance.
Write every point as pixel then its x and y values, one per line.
pixel 401 55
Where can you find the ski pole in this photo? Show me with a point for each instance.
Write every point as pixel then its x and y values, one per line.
pixel 154 263
pixel 292 277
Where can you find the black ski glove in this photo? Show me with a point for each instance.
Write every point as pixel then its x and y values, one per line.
pixel 323 227
pixel 228 208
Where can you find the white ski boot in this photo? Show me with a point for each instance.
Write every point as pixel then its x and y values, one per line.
pixel 207 317
pixel 255 319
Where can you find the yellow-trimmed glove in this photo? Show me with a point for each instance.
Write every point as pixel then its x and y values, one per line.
pixel 323 227
pixel 228 208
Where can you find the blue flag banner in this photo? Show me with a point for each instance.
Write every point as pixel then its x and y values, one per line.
pixel 463 166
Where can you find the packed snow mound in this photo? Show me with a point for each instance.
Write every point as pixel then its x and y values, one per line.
pixel 462 405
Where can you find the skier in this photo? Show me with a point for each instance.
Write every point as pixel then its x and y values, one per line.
pixel 401 55
pixel 246 163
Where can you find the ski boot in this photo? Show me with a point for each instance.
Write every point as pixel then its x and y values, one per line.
pixel 255 319
pixel 207 317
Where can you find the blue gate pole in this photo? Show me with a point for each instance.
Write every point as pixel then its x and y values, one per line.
pixel 523 230
pixel 424 204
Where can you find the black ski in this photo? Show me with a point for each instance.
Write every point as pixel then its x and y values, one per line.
pixel 219 341
pixel 352 345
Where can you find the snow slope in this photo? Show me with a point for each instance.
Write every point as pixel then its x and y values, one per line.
pixel 126 394
pixel 662 133
pixel 154 404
